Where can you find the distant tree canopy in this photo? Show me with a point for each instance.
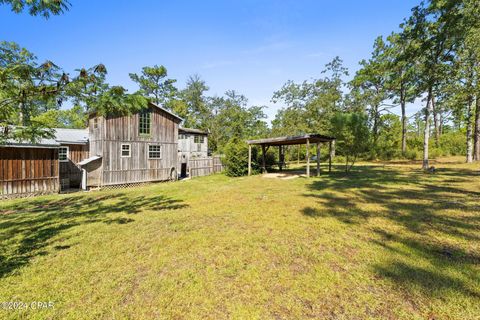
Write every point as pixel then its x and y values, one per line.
pixel 433 59
pixel 44 8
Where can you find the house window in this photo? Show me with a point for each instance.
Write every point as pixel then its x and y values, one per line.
pixel 144 122
pixel 126 151
pixel 63 154
pixel 198 139
pixel 155 151
pixel 95 123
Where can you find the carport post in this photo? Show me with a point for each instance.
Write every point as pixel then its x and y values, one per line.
pixel 249 159
pixel 308 158
pixel 318 159
pixel 330 156
pixel 264 165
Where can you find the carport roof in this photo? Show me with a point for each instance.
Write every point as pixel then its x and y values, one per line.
pixel 292 140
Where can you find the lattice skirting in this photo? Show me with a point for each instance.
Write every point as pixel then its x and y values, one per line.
pixel 25 195
pixel 129 185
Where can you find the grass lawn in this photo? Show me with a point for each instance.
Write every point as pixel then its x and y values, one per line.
pixel 386 242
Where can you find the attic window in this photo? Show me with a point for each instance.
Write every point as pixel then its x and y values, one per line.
pixel 144 122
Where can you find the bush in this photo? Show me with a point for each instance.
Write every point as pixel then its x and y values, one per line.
pixel 413 154
pixel 236 158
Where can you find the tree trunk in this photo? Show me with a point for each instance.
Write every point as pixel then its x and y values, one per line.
pixel 476 137
pixel 375 125
pixel 426 131
pixel 469 131
pixel 436 122
pixel 404 125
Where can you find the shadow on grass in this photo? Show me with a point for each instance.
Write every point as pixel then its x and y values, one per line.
pixel 420 205
pixel 27 228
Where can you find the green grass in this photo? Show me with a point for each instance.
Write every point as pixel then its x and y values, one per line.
pixel 386 242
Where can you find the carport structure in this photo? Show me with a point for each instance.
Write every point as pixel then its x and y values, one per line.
pixel 280 142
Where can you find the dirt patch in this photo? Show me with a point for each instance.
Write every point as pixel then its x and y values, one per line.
pixel 283 175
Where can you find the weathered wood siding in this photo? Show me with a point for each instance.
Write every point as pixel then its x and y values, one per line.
pixel 205 166
pixel 26 171
pixel 112 132
pixel 69 170
pixel 189 150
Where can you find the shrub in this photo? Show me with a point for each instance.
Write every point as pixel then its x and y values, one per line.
pixel 413 154
pixel 236 158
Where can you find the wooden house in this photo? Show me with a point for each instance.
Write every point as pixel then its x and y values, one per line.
pixel 131 149
pixel 44 167
pixel 192 144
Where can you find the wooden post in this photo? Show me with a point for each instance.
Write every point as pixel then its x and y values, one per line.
pixel 264 165
pixel 249 159
pixel 308 158
pixel 280 164
pixel 318 159
pixel 330 156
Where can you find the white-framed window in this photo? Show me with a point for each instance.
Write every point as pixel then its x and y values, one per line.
pixel 63 154
pixel 126 150
pixel 95 123
pixel 154 151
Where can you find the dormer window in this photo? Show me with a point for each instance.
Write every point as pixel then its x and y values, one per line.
pixel 144 122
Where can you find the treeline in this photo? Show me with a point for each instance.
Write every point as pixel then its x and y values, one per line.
pixel 433 60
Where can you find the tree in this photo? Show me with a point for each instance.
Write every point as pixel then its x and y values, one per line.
pixel 43 8
pixel 73 118
pixel 353 135
pixel 233 119
pixel 196 110
pixel 370 81
pixel 432 45
pixel 27 89
pixel 400 77
pixel 311 105
pixel 154 85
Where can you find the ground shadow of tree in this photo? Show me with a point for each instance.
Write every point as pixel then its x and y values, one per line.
pixel 27 228
pixel 422 205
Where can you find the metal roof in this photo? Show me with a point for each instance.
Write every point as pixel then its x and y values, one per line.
pixel 88 160
pixel 62 136
pixel 282 141
pixel 191 130
pixel 71 136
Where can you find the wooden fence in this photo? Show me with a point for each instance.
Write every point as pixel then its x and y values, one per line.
pixel 205 166
pixel 26 171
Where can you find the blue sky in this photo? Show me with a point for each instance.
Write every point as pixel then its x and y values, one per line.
pixel 252 46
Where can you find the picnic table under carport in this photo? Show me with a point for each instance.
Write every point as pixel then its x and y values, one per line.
pixel 280 142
